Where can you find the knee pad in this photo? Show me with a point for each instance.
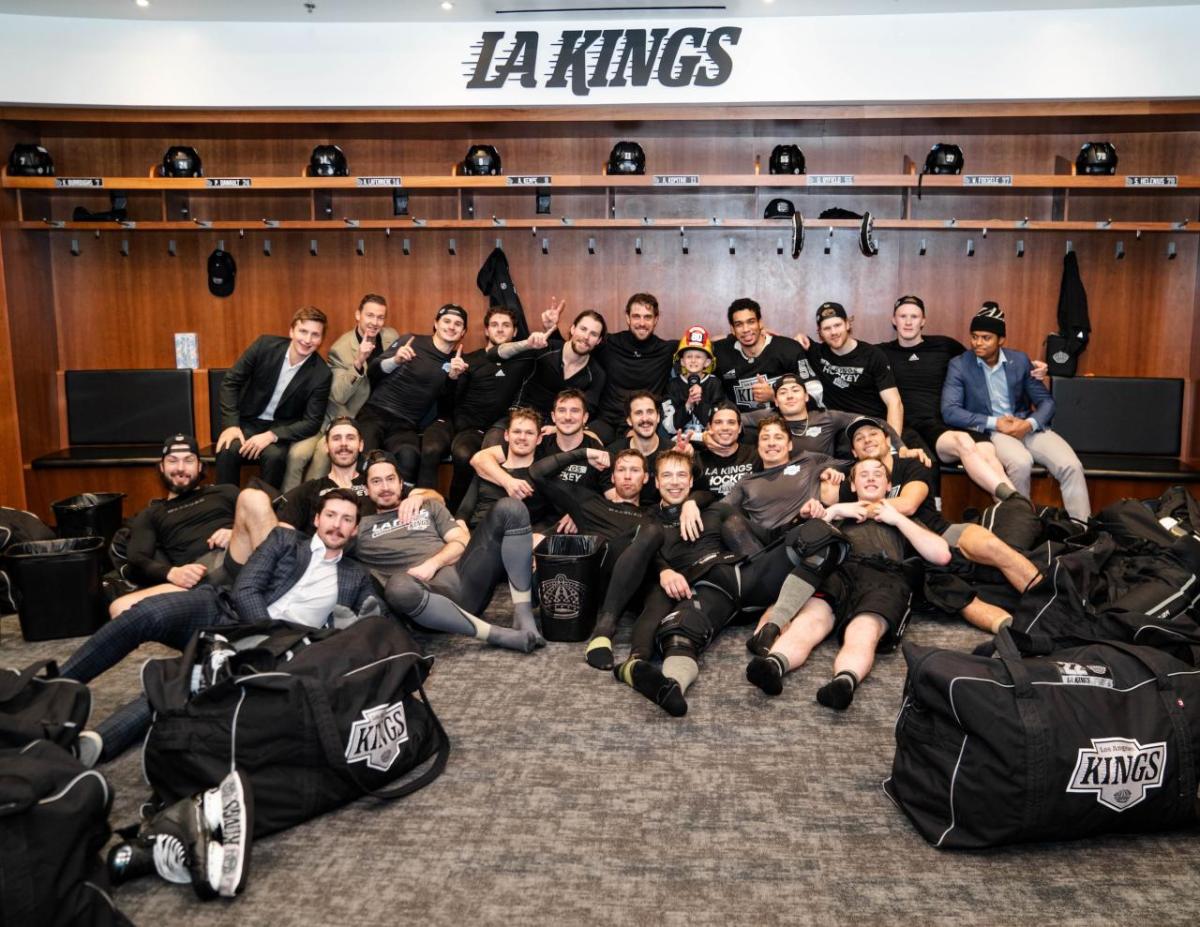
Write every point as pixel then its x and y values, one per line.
pixel 816 548
pixel 688 624
pixel 511 514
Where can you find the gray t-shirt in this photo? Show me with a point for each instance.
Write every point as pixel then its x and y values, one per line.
pixel 384 547
pixel 774 497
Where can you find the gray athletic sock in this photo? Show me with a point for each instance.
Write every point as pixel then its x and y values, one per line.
pixel 784 666
pixel 683 670
pixel 793 595
pixel 441 614
pixel 1004 490
pixel 516 553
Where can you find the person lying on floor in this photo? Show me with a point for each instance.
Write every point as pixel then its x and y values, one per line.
pixel 702 587
pixel 289 576
pixel 865 601
pixel 438 574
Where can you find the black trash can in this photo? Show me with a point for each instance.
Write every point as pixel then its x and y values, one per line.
pixel 90 514
pixel 59 587
pixel 568 568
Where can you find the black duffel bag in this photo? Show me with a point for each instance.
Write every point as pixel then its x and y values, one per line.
pixel 54 822
pixel 1093 739
pixel 37 705
pixel 315 718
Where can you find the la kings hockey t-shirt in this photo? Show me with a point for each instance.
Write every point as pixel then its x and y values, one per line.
pixel 384 546
pixel 738 373
pixel 716 474
pixel 920 373
pixel 852 381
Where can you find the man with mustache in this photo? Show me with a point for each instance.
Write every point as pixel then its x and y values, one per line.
pixel 288 577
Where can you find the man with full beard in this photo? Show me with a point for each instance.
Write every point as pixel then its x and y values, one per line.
pixel 179 541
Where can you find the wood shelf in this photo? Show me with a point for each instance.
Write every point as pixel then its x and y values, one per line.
pixel 931 182
pixel 547 224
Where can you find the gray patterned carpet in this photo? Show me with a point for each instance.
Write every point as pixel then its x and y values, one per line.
pixel 569 799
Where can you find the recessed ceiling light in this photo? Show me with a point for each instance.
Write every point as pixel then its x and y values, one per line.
pixel 142 3
pixel 447 5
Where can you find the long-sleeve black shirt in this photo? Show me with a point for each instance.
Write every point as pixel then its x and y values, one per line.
pixel 590 510
pixel 547 381
pixel 409 391
pixel 631 365
pixel 179 528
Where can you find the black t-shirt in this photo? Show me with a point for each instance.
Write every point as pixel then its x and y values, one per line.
pixel 873 538
pixel 489 388
pixel 546 381
pixel 908 470
pixel 631 365
pixel 738 373
pixel 578 473
pixel 409 391
pixel 298 507
pixel 718 475
pixel 179 528
pixel 852 381
pixel 920 372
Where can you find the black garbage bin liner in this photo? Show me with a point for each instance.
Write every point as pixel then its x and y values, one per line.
pixel 89 514
pixel 58 585
pixel 568 568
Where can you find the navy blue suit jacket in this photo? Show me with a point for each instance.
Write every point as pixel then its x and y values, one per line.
pixel 966 403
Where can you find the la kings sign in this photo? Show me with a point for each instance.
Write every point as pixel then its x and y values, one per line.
pixel 1119 771
pixel 588 59
pixel 376 737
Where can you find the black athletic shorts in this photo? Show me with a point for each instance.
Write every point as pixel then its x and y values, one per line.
pixel 862 587
pixel 932 429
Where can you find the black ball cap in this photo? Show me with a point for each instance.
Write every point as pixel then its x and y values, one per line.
pixel 222 273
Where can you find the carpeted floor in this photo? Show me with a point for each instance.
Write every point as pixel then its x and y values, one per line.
pixel 569 799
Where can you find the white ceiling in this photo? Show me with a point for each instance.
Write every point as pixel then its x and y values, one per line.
pixel 524 10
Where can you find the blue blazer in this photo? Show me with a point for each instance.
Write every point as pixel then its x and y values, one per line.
pixel 966 403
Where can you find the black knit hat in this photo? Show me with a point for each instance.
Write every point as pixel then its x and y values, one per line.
pixel 990 318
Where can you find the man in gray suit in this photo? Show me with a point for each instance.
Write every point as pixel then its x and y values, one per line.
pixel 348 359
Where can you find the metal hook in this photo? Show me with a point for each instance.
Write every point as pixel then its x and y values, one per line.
pixel 1020 247
pixel 312 247
pixel 1171 251
pixel 124 247
pixel 453 246
pixel 921 250
pixel 829 240
pixel 970 247
pixel 75 247
pixel 361 248
pixel 220 244
pixel 1070 246
pixel 779 246
pixel 406 247
pixel 171 247
pixel 637 246
pixel 499 244
pixel 266 247
pixel 683 244
pixel 1120 252
pixel 545 246
pixel 591 246
pixel 732 247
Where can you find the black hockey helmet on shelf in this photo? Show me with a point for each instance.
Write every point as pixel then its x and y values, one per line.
pixel 328 161
pixel 779 208
pixel 481 160
pixel 181 161
pixel 30 160
pixel 626 158
pixel 787 159
pixel 944 159
pixel 1096 158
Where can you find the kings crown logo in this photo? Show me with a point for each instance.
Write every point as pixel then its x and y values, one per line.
pixel 1119 771
pixel 375 738
pixel 561 596
pixel 587 59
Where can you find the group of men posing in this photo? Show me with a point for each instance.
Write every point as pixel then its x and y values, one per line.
pixel 786 479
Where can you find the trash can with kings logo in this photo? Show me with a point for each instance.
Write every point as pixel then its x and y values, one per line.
pixel 568 568
pixel 58 584
pixel 90 514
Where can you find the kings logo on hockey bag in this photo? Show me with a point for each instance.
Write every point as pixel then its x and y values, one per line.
pixel 313 718
pixel 1098 738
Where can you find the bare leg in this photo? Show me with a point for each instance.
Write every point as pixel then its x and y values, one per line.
pixel 863 635
pixel 253 520
pixel 983 467
pixel 127 601
pixel 985 616
pixel 807 629
pixel 981 546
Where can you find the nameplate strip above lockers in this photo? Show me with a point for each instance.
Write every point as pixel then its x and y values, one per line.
pixel 987 180
pixel 676 180
pixel 378 182
pixel 73 182
pixel 528 180
pixel 222 183
pixel 831 180
pixel 1152 180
